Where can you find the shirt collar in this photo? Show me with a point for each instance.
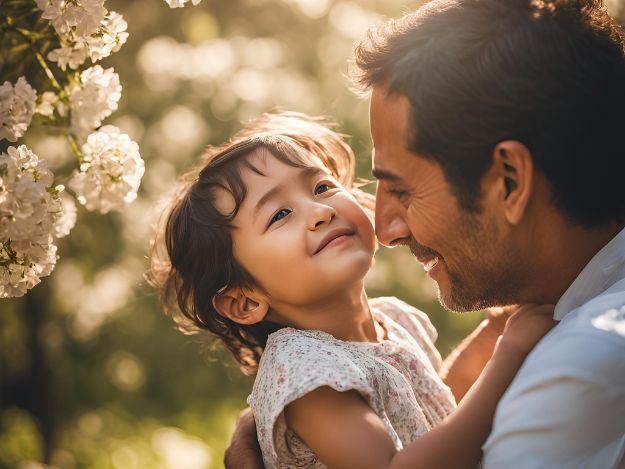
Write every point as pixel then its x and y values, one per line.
pixel 603 270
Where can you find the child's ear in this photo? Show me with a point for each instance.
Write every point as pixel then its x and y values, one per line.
pixel 241 305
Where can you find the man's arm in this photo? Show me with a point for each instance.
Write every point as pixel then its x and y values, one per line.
pixel 244 452
pixel 465 363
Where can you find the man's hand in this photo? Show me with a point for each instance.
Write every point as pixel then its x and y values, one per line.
pixel 244 452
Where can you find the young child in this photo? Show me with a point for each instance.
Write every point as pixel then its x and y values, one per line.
pixel 266 245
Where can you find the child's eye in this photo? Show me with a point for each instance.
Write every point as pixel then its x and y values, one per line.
pixel 279 215
pixel 323 187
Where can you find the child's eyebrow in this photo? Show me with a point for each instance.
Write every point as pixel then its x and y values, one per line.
pixel 270 194
pixel 306 173
pixel 311 171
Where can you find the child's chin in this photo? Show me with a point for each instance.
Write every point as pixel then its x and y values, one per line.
pixel 355 272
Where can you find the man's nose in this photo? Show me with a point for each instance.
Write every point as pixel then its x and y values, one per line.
pixel 320 214
pixel 390 224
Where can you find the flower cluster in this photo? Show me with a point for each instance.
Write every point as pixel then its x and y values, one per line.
pixel 108 38
pixel 80 17
pixel 110 173
pixel 31 219
pixel 34 212
pixel 17 106
pixel 93 97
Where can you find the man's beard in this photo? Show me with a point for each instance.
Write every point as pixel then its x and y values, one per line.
pixel 482 282
pixel 464 298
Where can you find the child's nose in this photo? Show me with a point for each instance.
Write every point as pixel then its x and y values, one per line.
pixel 319 215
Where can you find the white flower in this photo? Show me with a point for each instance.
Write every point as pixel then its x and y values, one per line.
pixel 109 38
pixel 67 210
pixel 180 3
pixel 73 55
pixel 17 106
pixel 92 98
pixel 24 197
pixel 78 17
pixel 48 101
pixel 30 212
pixel 110 173
pixel 23 263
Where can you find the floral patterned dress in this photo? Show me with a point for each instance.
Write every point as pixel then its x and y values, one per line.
pixel 397 377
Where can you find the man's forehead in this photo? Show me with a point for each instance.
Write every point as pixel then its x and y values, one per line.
pixel 383 167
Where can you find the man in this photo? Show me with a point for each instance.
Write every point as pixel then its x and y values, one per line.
pixel 497 147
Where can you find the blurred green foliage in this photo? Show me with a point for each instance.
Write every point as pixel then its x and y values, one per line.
pixel 92 375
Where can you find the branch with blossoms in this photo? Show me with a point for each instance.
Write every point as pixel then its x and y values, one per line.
pixel 56 43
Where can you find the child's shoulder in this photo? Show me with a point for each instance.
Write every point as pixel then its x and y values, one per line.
pixel 412 321
pixel 296 362
pixel 293 364
pixel 409 317
pixel 302 353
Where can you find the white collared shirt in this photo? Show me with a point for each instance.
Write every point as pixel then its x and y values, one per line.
pixel 566 406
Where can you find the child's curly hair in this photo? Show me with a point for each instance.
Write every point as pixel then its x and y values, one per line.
pixel 191 254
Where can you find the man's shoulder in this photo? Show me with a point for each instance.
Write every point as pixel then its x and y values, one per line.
pixel 596 327
pixel 605 312
pixel 587 345
pixel 569 393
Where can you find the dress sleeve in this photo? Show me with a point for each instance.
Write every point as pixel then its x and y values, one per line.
pixel 416 323
pixel 565 409
pixel 293 365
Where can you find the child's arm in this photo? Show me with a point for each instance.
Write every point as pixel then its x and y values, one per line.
pixel 345 433
pixel 465 363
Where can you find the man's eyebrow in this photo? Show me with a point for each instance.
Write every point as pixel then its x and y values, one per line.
pixel 381 174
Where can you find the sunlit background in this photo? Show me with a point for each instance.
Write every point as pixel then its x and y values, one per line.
pixel 92 375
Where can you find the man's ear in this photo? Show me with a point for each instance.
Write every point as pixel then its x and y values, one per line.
pixel 241 305
pixel 515 178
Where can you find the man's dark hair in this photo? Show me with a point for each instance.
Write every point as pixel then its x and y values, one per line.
pixel 550 74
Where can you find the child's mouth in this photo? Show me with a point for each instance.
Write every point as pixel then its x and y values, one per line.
pixel 334 237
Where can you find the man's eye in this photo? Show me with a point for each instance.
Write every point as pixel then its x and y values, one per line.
pixel 398 194
pixel 279 215
pixel 323 187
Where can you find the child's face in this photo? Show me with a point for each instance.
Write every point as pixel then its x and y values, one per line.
pixel 299 233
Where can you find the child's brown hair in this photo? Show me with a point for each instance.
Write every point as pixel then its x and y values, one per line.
pixel 192 259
